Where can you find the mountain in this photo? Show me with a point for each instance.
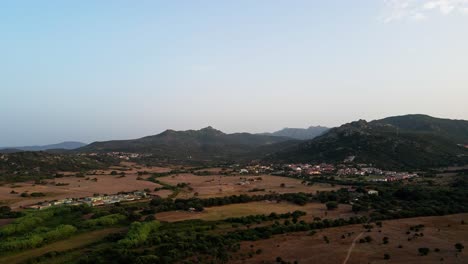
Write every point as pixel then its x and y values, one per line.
pixel 69 145
pixel 300 133
pixel 410 141
pixel 207 144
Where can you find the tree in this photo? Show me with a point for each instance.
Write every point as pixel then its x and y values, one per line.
pixel 5 209
pixel 459 247
pixel 423 251
pixel 386 256
pixel 385 240
pixel 150 218
pixel 332 205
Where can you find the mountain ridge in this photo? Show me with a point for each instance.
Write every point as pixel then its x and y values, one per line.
pixel 206 144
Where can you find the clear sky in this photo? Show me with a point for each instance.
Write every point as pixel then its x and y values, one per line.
pixel 99 70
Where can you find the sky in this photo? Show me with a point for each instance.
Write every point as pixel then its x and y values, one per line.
pixel 100 70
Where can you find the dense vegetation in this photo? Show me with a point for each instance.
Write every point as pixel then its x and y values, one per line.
pixel 37 228
pixel 24 166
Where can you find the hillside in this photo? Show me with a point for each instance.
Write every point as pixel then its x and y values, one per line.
pixel 207 144
pixel 36 165
pixel 67 145
pixel 411 141
pixel 300 133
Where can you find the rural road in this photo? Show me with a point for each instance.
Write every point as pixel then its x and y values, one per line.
pixel 350 249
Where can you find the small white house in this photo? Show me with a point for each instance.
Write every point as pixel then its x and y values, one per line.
pixel 372 192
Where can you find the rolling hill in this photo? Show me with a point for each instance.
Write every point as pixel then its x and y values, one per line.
pixel 300 133
pixel 29 165
pixel 207 144
pixel 410 141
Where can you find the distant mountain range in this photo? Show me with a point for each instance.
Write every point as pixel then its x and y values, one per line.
pixel 67 145
pixel 410 141
pixel 207 144
pixel 300 133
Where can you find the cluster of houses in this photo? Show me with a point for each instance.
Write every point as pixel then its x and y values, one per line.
pixel 391 176
pixel 359 171
pixel 386 176
pixel 256 169
pixel 96 200
pixel 310 169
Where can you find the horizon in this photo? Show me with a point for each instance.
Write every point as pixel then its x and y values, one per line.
pixel 209 126
pixel 109 70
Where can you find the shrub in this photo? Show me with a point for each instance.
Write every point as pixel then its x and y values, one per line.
pixel 459 247
pixel 332 205
pixel 385 240
pixel 423 251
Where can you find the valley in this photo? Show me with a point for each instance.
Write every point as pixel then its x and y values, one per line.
pixel 209 197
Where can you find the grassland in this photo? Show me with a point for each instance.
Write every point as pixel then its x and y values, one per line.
pixel 220 185
pixel 439 232
pixel 256 208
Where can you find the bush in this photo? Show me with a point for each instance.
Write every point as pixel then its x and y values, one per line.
pixel 332 205
pixel 37 194
pixel 459 247
pixel 423 251
pixel 385 240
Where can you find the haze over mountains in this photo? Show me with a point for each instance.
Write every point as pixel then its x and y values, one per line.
pixel 67 145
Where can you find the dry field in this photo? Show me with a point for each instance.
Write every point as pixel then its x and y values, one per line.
pixel 133 168
pixel 255 208
pixel 82 187
pixel 218 186
pixel 441 232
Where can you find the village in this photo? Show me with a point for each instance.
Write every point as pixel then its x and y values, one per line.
pixel 343 170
